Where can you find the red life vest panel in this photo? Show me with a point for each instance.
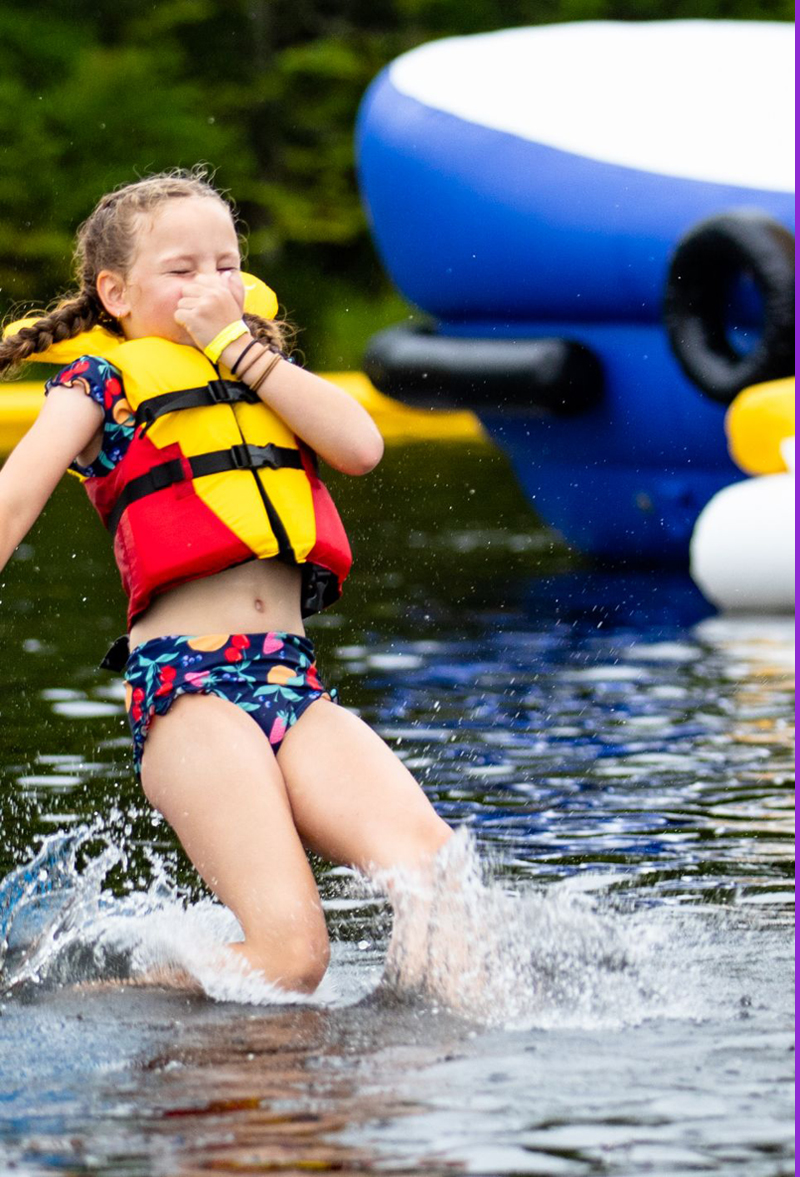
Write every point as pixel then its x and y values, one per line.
pixel 211 478
pixel 211 484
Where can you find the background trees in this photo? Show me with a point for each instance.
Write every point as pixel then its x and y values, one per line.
pixel 94 93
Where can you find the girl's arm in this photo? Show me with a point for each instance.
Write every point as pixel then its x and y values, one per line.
pixel 67 422
pixel 324 416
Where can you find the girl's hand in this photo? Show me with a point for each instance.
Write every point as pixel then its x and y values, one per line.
pixel 208 304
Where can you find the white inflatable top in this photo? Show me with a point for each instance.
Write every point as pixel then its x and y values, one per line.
pixel 703 100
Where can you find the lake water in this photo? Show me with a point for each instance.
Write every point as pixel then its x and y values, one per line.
pixel 609 977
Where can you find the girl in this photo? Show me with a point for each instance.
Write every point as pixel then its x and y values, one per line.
pixel 196 440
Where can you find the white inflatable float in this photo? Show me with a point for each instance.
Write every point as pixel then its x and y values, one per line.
pixel 742 550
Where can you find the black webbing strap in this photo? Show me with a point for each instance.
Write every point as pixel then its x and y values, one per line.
pixel 238 457
pixel 216 392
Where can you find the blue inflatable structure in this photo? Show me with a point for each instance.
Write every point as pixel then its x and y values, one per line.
pixel 534 184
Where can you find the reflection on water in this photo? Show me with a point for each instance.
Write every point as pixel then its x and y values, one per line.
pixel 609 991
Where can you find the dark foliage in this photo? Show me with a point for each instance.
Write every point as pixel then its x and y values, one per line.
pixel 93 94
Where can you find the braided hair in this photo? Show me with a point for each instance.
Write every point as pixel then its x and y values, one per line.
pixel 107 241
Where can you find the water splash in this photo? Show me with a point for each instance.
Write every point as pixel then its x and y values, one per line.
pixel 460 940
pixel 61 925
pixel 555 957
pixel 41 900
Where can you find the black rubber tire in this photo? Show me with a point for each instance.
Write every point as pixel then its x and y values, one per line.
pixel 421 368
pixel 705 264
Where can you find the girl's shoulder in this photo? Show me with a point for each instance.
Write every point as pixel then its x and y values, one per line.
pixel 101 380
pixel 104 384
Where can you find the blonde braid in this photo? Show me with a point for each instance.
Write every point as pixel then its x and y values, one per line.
pixel 277 334
pixel 67 320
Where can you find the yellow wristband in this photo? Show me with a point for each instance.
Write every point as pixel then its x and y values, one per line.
pixel 227 335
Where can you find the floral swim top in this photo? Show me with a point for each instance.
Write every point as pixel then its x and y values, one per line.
pixel 103 383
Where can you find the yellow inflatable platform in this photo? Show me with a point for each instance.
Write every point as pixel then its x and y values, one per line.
pixel 19 404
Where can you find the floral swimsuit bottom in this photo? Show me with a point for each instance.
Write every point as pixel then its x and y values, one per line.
pixel 271 676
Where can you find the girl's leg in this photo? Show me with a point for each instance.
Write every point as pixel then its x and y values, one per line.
pixel 353 800
pixel 210 770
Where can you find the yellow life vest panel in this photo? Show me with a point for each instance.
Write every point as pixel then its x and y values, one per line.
pixel 212 477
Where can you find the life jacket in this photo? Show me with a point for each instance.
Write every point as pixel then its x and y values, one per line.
pixel 211 478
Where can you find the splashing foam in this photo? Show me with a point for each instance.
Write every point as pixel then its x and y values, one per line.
pixel 459 941
pixel 59 926
pixel 536 959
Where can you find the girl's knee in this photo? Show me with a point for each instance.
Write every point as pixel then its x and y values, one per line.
pixel 291 947
pixel 438 834
pixel 424 843
pixel 296 962
pixel 304 964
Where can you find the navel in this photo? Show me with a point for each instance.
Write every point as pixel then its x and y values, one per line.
pixel 259 605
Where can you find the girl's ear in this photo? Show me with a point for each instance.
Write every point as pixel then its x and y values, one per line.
pixel 112 292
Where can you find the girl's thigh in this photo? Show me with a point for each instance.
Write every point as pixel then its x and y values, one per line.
pixel 353 800
pixel 212 773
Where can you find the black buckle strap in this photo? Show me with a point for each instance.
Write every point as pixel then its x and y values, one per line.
pixel 238 457
pixel 225 392
pixel 117 655
pixel 245 457
pixel 168 473
pixel 254 457
pixel 216 392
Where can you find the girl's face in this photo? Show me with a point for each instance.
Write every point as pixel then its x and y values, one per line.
pixel 183 239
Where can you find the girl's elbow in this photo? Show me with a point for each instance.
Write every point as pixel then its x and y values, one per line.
pixel 357 449
pixel 367 456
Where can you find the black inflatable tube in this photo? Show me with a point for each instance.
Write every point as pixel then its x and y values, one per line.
pixel 421 368
pixel 701 278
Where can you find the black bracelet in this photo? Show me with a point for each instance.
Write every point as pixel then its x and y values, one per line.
pixel 241 355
